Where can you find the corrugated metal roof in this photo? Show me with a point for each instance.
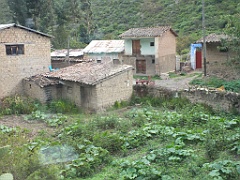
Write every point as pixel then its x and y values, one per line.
pixel 105 46
pixel 213 38
pixel 63 53
pixel 147 32
pixel 89 73
pixel 5 26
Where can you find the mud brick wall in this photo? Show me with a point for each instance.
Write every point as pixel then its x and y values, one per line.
pixel 13 68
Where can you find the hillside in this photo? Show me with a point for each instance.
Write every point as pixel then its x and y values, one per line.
pixel 185 16
pixel 84 20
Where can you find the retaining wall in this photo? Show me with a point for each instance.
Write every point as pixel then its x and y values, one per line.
pixel 218 100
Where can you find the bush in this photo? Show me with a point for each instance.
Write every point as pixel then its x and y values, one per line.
pixel 110 141
pixel 18 105
pixel 63 106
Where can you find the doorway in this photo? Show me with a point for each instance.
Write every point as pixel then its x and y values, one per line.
pixel 198 58
pixel 141 66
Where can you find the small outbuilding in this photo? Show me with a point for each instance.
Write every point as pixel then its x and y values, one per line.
pixel 90 85
pixel 218 56
pixel 101 49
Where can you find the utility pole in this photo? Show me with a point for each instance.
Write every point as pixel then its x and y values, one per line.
pixel 204 38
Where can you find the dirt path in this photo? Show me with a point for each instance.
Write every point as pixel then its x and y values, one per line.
pixel 178 83
pixel 33 127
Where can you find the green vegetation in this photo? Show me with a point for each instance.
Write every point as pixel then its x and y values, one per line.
pixel 215 82
pixel 80 21
pixel 161 139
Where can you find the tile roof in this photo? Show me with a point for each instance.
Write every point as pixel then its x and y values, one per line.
pixel 41 80
pixel 147 32
pixel 105 46
pixel 5 26
pixel 63 53
pixel 213 38
pixel 89 73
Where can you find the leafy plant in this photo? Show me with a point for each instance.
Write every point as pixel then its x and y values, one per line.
pixel 225 169
pixel 90 160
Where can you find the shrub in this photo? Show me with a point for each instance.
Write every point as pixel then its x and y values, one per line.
pixel 63 106
pixel 110 141
pixel 18 105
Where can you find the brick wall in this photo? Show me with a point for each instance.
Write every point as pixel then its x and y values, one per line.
pixel 13 68
pixel 218 63
pixel 118 88
pixel 165 53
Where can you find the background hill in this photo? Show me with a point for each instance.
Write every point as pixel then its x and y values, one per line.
pixel 80 21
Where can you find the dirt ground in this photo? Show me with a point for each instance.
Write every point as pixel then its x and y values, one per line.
pixel 34 127
pixel 177 83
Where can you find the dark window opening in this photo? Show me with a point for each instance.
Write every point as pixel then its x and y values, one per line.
pixel 151 43
pixel 153 61
pixel 116 61
pixel 15 49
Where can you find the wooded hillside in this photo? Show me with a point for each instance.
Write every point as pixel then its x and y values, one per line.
pixel 83 20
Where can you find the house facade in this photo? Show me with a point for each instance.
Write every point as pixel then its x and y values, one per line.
pixel 150 51
pixel 90 85
pixel 218 56
pixel 23 53
pixel 100 49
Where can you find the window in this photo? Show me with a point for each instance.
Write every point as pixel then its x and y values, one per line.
pixel 15 49
pixel 151 43
pixel 153 61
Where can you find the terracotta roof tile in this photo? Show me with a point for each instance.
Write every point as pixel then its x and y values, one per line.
pixel 89 73
pixel 41 80
pixel 213 38
pixel 147 32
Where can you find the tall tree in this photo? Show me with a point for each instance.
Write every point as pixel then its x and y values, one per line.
pixel 18 10
pixel 5 13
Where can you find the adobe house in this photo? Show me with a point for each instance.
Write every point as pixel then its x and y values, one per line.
pixel 66 57
pixel 150 50
pixel 100 49
pixel 23 53
pixel 217 56
pixel 90 85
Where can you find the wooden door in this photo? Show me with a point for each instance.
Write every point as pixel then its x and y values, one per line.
pixel 198 59
pixel 141 66
pixel 136 47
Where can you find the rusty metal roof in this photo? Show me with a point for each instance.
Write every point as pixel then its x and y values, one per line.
pixel 105 46
pixel 89 73
pixel 63 53
pixel 213 38
pixel 5 26
pixel 147 32
pixel 41 80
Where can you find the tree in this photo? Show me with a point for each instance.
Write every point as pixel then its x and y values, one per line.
pixel 233 30
pixel 5 13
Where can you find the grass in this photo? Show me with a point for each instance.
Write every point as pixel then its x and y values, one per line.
pixel 215 82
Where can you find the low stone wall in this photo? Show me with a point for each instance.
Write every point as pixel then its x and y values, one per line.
pixel 218 100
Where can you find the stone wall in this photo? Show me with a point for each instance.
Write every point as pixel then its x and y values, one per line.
pixel 218 100
pixel 13 68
